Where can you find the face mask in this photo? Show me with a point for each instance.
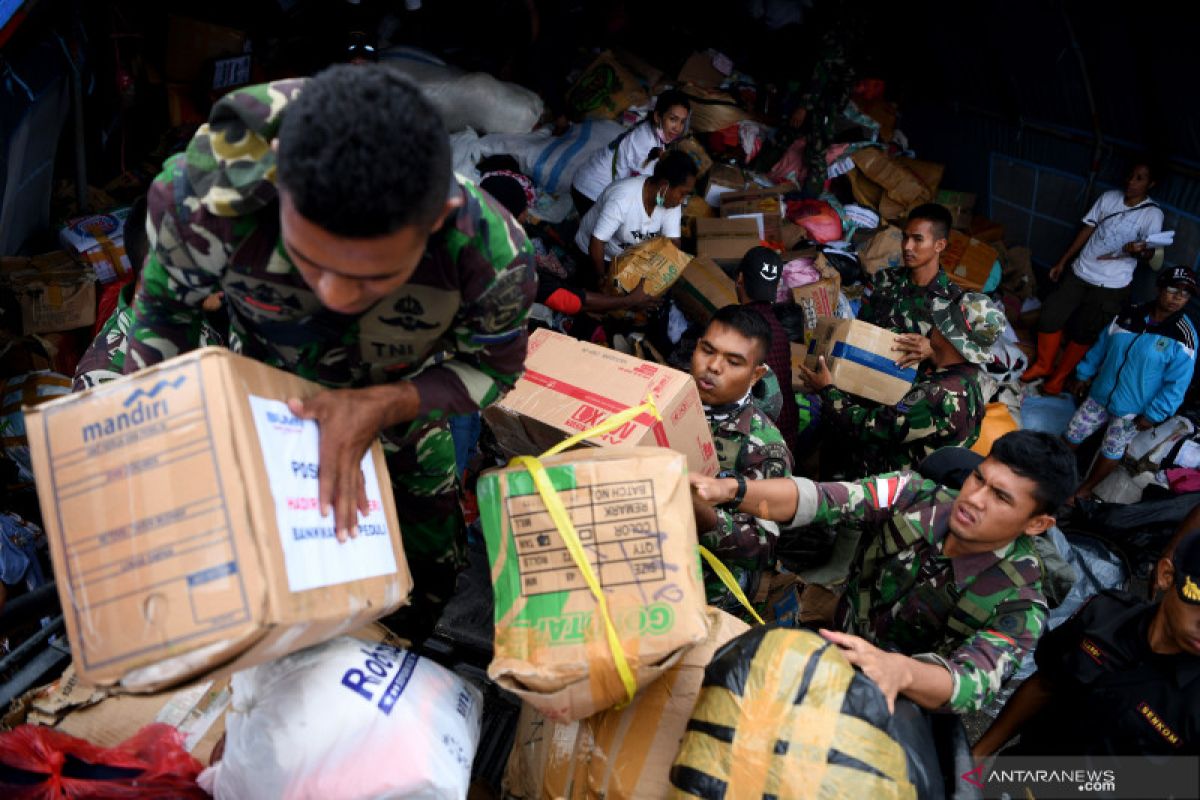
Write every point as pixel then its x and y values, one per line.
pixel 660 199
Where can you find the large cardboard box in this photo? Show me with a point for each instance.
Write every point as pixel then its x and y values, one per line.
pixel 54 292
pixel 570 386
pixel 860 357
pixel 617 754
pixel 928 172
pixel 767 201
pixel 820 298
pixel 703 289
pixel 181 508
pixel 705 69
pixel 968 261
pixel 726 239
pixel 99 240
pixel 658 261
pixel 632 511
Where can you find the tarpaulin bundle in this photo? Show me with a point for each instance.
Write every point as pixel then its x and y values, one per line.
pixel 783 714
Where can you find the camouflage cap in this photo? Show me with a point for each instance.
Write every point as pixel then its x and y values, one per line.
pixel 972 325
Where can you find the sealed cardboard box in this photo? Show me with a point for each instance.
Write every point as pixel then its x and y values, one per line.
pixel 616 754
pixel 570 386
pixel 726 239
pixel 54 292
pixel 181 508
pixel 702 289
pixel 99 241
pixel 632 511
pixel 821 297
pixel 657 261
pixel 968 261
pixel 860 357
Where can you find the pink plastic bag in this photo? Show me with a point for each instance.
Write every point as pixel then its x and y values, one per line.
pixel 39 763
pixel 798 272
pixel 817 217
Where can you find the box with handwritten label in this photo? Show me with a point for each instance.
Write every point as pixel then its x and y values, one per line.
pixel 181 506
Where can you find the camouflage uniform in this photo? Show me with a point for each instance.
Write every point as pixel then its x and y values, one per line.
pixel 898 304
pixel 976 615
pixel 944 408
pixel 456 330
pixel 749 444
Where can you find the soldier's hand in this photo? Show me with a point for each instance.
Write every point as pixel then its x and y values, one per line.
pixel 816 379
pixel 640 300
pixel 890 671
pixel 349 421
pixel 712 491
pixel 913 347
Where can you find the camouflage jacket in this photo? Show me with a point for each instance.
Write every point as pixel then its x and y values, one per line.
pixel 944 408
pixel 898 304
pixel 104 360
pixel 456 329
pixel 749 444
pixel 976 615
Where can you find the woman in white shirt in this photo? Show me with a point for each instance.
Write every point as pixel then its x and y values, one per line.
pixel 633 210
pixel 1109 247
pixel 634 152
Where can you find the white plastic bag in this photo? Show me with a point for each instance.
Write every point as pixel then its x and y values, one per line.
pixel 348 720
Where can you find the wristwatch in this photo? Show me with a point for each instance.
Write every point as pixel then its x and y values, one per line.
pixel 732 505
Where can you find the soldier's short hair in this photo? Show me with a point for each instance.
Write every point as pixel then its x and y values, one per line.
pixel 935 214
pixel 748 323
pixel 1042 458
pixel 362 153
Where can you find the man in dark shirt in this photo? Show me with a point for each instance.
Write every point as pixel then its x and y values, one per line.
pixel 758 280
pixel 1121 677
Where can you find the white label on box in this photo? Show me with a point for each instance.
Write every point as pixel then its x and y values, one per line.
pixel 313 555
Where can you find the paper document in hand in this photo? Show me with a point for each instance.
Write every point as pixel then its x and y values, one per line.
pixel 1161 239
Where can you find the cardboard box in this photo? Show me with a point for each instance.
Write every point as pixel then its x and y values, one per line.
pixel 767 201
pixel 968 261
pixel 695 209
pixel 822 296
pixel 860 357
pixel 180 504
pixel 618 755
pixel 702 289
pixel 960 205
pixel 702 69
pixel 632 510
pixel 884 250
pixel 604 90
pixel 54 292
pixel 799 358
pixel 193 45
pixel 570 386
pixel 726 239
pixel 658 261
pixel 99 241
pixel 723 178
pixel 986 230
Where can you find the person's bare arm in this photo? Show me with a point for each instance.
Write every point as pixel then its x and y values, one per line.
pixel 1030 698
pixel 1080 240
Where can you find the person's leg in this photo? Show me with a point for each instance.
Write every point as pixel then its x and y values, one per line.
pixel 1087 420
pixel 425 486
pixel 1120 432
pixel 1098 306
pixel 1056 311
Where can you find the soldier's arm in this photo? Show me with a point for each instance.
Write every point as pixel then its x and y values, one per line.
pixel 739 535
pixel 983 662
pixel 499 284
pixel 183 268
pixel 913 418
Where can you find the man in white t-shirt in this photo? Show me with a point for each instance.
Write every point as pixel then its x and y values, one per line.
pixel 632 211
pixel 1109 247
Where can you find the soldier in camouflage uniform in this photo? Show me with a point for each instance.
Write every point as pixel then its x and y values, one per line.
pixel 904 299
pixel 726 365
pixel 944 408
pixel 947 597
pixel 350 255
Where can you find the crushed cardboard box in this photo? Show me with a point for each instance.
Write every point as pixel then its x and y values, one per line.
pixel 632 510
pixel 726 240
pixel 181 508
pixel 703 289
pixel 571 386
pixel 861 360
pixel 657 261
pixel 930 175
pixel 968 262
pixel 619 754
pixel 54 292
pixel 820 298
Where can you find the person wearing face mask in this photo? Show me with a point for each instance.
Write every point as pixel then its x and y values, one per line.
pixel 1092 291
pixel 634 210
pixel 635 152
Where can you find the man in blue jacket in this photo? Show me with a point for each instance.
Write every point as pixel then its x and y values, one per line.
pixel 1136 375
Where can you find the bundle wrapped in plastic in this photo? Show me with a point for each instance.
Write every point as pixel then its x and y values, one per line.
pixel 783 714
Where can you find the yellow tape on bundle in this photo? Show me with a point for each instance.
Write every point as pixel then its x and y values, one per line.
pixel 610 424
pixel 562 521
pixel 732 585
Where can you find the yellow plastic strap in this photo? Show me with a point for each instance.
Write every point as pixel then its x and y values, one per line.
pixel 610 424
pixel 562 521
pixel 727 578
